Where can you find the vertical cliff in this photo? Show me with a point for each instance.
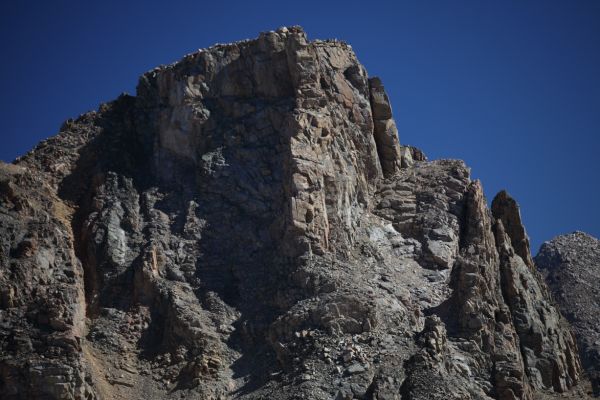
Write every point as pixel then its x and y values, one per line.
pixel 248 226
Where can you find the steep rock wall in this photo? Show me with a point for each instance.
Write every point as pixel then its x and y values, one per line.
pixel 248 226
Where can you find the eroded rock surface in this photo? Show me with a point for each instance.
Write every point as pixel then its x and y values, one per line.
pixel 571 266
pixel 248 226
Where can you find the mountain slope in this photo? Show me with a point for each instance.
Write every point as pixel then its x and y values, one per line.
pixel 571 267
pixel 248 226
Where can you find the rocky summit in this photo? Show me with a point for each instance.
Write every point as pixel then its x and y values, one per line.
pixel 248 226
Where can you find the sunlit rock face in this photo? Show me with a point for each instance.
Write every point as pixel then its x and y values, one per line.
pixel 248 226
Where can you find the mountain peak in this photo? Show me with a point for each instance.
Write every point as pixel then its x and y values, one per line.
pixel 248 226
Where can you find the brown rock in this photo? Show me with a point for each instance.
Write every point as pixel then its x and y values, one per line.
pixel 248 226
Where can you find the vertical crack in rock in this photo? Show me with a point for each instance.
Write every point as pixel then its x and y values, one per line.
pixel 482 315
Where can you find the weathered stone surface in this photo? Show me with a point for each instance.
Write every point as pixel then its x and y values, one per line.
pixel 385 131
pixel 410 155
pixel 550 359
pixel 570 265
pixel 506 209
pixel 248 226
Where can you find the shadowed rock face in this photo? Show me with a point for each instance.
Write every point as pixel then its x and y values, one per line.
pixel 571 266
pixel 248 226
pixel 533 313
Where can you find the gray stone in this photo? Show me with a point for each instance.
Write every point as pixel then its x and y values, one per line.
pixel 570 265
pixel 248 208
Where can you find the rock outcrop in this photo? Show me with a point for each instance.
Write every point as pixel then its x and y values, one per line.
pixel 547 344
pixel 571 266
pixel 248 226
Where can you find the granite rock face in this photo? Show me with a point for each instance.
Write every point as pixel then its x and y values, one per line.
pixel 248 226
pixel 571 266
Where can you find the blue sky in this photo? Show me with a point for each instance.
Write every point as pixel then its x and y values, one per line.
pixel 511 87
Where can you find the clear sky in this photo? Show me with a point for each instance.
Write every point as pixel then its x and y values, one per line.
pixel 511 87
